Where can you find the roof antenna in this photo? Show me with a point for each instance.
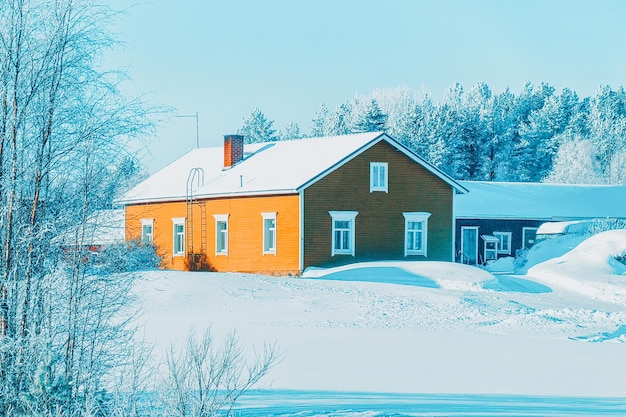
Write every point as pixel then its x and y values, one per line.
pixel 196 117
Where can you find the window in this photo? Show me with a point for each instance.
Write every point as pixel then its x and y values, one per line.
pixel 378 176
pixel 504 242
pixel 147 228
pixel 221 234
pixel 269 233
pixel 179 236
pixel 343 232
pixel 415 233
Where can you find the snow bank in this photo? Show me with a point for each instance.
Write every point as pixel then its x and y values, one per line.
pixel 590 268
pixel 375 337
pixel 548 249
pixel 504 264
pixel 446 275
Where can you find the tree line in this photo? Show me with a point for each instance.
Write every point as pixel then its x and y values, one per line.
pixel 539 134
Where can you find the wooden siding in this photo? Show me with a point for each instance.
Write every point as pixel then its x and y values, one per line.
pixel 489 226
pixel 245 234
pixel 163 228
pixel 380 223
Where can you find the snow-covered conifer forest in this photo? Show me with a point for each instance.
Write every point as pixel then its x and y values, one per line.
pixel 539 134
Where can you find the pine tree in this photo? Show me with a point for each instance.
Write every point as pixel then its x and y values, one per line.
pixel 256 128
pixel 476 124
pixel 498 146
pixel 523 164
pixel 399 104
pixel 340 121
pixel 290 132
pixel 372 119
pixel 321 122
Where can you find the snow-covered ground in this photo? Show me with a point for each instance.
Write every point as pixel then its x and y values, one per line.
pixel 419 327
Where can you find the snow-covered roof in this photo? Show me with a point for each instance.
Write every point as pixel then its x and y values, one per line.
pixel 539 201
pixel 559 228
pixel 283 167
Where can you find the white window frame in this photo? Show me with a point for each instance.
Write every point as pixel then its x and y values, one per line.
pixel 147 238
pixel 342 216
pixel 221 218
pixel 416 217
pixel 178 221
pixel 375 184
pixel 266 249
pixel 490 254
pixel 501 249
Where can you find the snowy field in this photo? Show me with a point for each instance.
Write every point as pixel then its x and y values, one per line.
pixel 420 338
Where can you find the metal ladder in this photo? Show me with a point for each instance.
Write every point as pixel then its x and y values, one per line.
pixel 196 175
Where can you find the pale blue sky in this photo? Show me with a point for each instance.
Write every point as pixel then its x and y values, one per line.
pixel 223 58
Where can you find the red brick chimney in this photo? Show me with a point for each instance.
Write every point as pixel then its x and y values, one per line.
pixel 233 150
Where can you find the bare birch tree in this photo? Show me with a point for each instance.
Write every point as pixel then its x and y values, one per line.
pixel 62 126
pixel 204 378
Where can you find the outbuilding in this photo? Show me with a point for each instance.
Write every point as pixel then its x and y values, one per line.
pixel 507 215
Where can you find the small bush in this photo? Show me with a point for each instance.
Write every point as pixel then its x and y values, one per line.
pixel 205 379
pixel 130 257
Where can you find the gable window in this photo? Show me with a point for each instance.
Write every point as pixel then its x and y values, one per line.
pixel 179 236
pixel 378 176
pixel 504 242
pixel 147 229
pixel 343 232
pixel 221 234
pixel 269 233
pixel 415 233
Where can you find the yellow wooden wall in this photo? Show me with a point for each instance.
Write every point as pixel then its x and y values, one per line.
pixel 245 222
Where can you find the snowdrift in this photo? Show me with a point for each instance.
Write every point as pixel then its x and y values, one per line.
pixel 444 275
pixel 591 268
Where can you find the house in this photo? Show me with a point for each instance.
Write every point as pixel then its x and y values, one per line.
pixel 500 218
pixel 284 206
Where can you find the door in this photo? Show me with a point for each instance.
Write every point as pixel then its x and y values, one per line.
pixel 469 245
pixel 529 236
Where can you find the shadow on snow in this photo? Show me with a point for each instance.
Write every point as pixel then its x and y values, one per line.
pixel 383 274
pixel 508 283
pixel 349 404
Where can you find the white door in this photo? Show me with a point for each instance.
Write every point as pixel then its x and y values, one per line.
pixel 529 235
pixel 469 245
